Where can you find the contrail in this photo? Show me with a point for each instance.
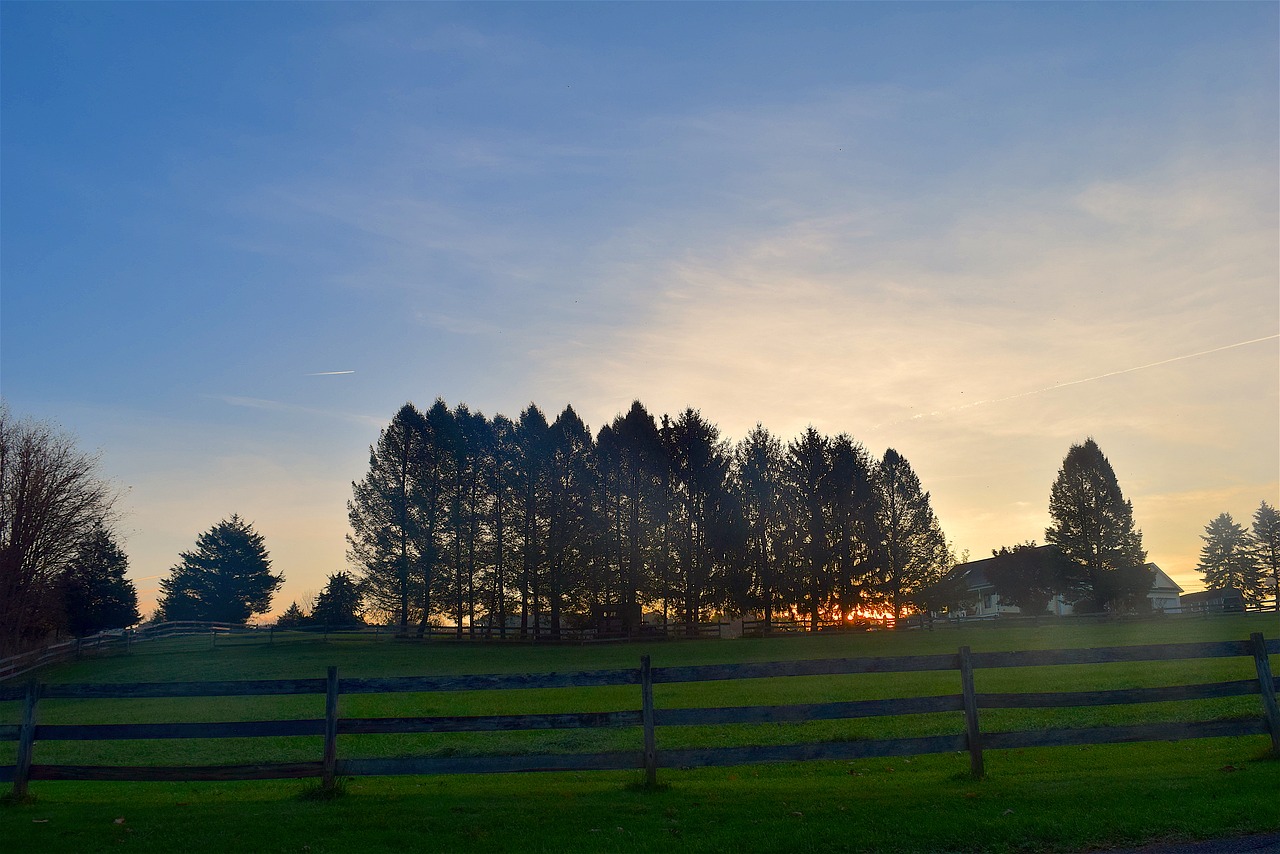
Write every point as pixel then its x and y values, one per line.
pixel 328 373
pixel 1057 386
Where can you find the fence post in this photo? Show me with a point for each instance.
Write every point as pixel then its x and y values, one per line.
pixel 646 718
pixel 26 741
pixel 330 728
pixel 1267 686
pixel 973 735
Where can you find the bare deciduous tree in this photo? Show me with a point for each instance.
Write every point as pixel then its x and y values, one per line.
pixel 51 497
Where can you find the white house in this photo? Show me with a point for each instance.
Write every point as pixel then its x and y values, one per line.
pixel 1163 595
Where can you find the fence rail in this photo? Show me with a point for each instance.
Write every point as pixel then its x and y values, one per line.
pixel 124 640
pixel 647 756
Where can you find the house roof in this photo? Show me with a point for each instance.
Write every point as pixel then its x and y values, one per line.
pixel 975 574
pixel 975 571
pixel 1162 581
pixel 1213 595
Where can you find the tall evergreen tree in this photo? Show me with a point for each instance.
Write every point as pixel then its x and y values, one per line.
pixel 571 477
pixel 96 595
pixel 758 465
pixel 1093 527
pixel 438 489
pixel 807 486
pixel 854 535
pixel 637 458
pixel 227 578
pixel 1265 538
pixel 471 447
pixel 501 479
pixel 392 527
pixel 700 465
pixel 1226 559
pixel 913 553
pixel 532 436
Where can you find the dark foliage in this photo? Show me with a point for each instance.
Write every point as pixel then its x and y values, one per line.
pixel 226 579
pixel 95 594
pixel 524 526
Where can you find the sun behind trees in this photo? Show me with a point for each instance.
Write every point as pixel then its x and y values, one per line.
pixel 524 525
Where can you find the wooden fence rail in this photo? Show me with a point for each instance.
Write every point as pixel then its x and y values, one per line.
pixel 647 756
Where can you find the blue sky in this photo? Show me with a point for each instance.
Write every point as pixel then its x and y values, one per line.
pixel 921 224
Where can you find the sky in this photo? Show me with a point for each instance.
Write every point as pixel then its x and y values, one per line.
pixel 236 237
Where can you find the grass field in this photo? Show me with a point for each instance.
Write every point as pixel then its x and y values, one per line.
pixel 1061 799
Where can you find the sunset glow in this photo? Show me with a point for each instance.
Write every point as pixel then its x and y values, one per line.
pixel 238 237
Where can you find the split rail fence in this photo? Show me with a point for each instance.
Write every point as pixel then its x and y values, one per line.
pixel 647 718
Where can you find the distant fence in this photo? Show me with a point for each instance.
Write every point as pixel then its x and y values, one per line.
pixel 109 642
pixel 800 625
pixel 647 756
pixel 123 641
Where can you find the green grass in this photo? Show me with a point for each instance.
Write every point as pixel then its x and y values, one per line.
pixel 1048 799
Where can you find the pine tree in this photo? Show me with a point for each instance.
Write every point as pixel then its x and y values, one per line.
pixel 1265 538
pixel 339 603
pixel 292 617
pixel 806 490
pixel 96 595
pixel 700 466
pixel 226 579
pixel 758 474
pixel 1226 559
pixel 913 552
pixel 1093 527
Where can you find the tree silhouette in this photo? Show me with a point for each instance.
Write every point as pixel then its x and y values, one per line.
pixel 699 467
pixel 1266 546
pixel 471 518
pixel 227 578
pixel 806 477
pixel 1227 559
pixel 913 552
pixel 96 595
pixel 1028 576
pixel 51 497
pixel 339 603
pixel 854 535
pixel 1093 526
pixel 758 467
pixel 391 538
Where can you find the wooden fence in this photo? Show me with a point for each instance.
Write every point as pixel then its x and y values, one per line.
pixel 123 641
pixel 111 642
pixel 648 718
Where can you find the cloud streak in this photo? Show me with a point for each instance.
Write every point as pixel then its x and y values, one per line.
pixel 1059 386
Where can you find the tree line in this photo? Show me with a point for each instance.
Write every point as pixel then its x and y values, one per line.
pixel 527 525
pixel 61 569
pixel 1245 559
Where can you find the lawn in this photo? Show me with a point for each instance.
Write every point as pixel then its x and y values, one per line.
pixel 1063 799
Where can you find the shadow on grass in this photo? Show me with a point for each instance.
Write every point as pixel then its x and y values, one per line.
pixel 317 791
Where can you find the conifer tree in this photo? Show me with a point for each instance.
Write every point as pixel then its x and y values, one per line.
pixel 913 552
pixel 339 603
pixel 96 595
pixel 292 617
pixel 1093 527
pixel 758 473
pixel 1226 559
pixel 227 578
pixel 1265 538
pixel 392 533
